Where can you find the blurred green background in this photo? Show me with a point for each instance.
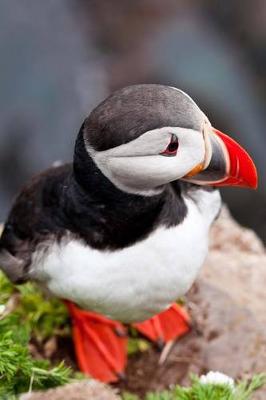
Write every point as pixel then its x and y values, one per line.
pixel 60 58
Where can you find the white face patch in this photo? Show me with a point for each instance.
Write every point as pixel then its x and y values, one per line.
pixel 138 167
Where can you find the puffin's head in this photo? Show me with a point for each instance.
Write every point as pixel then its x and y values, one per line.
pixel 145 136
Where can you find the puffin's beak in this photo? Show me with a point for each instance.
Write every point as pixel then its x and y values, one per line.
pixel 226 163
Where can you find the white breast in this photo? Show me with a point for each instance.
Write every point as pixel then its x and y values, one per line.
pixel 137 282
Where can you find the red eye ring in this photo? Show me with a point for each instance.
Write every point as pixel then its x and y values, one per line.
pixel 172 147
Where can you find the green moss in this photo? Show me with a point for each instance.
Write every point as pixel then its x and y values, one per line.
pixel 33 316
pixel 46 317
pixel 18 370
pixel 135 343
pixel 43 316
pixel 199 391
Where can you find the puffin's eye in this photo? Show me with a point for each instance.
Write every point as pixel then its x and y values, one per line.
pixel 172 147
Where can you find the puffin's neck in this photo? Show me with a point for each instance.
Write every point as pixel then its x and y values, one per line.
pixel 120 218
pixel 91 179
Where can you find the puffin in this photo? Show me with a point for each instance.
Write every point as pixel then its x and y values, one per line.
pixel 121 233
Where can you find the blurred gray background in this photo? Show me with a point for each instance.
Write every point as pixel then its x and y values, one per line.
pixel 60 58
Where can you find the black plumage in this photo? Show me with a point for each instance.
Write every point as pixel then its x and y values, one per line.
pixel 55 203
pixel 78 199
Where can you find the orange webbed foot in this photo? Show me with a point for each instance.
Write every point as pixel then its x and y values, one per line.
pixel 166 326
pixel 100 344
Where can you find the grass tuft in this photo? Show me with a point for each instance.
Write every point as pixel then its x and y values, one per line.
pixel 243 390
pixel 29 316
